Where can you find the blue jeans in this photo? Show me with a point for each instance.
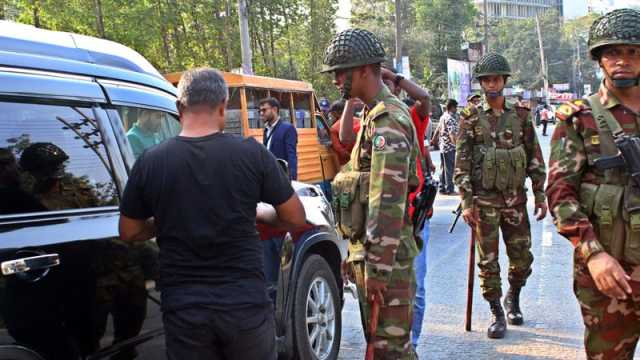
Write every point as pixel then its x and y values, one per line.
pixel 271 255
pixel 420 265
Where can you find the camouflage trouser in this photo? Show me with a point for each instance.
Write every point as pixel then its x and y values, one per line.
pixel 393 340
pixel 514 223
pixel 612 326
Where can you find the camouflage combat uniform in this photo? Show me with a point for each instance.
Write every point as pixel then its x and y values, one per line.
pixel 371 198
pixel 594 208
pixel 388 146
pixel 573 190
pixel 505 210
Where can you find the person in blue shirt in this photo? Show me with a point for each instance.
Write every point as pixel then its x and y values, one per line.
pixel 145 132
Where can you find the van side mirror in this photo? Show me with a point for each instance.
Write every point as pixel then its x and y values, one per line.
pixel 284 165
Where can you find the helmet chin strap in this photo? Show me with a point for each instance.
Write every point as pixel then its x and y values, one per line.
pixel 494 94
pixel 622 83
pixel 346 88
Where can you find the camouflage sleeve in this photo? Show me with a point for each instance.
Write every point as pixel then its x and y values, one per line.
pixel 566 165
pixel 464 153
pixel 388 190
pixel 535 168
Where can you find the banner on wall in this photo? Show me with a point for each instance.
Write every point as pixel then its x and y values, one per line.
pixel 459 80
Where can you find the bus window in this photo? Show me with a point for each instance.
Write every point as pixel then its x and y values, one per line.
pixel 253 105
pixel 233 122
pixel 285 104
pixel 302 103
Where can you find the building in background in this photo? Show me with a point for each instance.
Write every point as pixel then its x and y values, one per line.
pixel 518 9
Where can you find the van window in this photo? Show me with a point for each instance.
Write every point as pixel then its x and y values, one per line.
pixel 233 117
pixel 302 103
pixel 253 105
pixel 52 157
pixel 146 128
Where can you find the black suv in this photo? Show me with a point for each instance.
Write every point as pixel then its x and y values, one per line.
pixel 75 111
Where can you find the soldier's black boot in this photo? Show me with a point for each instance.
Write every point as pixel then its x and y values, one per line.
pixel 498 327
pixel 512 305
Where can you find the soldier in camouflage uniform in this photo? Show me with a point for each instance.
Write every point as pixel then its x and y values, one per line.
pixel 376 183
pixel 596 209
pixel 497 149
pixel 53 187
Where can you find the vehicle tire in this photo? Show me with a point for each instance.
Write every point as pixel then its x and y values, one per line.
pixel 13 352
pixel 317 318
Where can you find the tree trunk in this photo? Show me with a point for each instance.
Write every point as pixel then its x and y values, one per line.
pixel 99 19
pixel 36 13
pixel 228 34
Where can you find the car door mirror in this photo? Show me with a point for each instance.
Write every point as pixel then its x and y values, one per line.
pixel 284 165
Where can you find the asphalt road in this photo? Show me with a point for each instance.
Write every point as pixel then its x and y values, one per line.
pixel 553 326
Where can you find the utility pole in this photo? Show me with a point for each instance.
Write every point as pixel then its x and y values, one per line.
pixel 486 29
pixel 245 45
pixel 543 63
pixel 398 35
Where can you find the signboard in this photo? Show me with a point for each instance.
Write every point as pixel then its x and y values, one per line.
pixel 459 80
pixel 404 68
pixel 561 87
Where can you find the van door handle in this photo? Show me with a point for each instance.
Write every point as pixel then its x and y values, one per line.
pixel 21 265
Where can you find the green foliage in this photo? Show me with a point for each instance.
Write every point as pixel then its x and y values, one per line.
pixel 287 36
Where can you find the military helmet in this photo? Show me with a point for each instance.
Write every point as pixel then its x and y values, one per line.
pixel 44 160
pixel 492 64
pixel 352 48
pixel 618 27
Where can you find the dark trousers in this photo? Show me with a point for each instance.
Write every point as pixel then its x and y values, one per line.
pixel 271 249
pixel 200 333
pixel 544 127
pixel 447 161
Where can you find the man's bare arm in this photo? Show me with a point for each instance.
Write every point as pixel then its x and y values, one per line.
pixel 288 215
pixel 135 230
pixel 347 135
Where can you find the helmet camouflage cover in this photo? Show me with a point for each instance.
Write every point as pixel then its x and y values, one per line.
pixel 618 27
pixel 44 159
pixel 352 48
pixel 492 64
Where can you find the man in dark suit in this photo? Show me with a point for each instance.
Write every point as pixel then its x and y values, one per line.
pixel 280 137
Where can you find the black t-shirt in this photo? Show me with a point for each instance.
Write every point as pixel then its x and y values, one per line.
pixel 203 194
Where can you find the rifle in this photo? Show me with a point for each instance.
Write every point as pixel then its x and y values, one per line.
pixel 375 311
pixel 423 203
pixel 457 212
pixel 628 157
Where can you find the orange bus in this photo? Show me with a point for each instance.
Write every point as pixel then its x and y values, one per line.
pixel 317 163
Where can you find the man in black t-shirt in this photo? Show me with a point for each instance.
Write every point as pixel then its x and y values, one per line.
pixel 197 193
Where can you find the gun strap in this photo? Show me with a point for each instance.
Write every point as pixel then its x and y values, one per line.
pixel 608 130
pixel 604 117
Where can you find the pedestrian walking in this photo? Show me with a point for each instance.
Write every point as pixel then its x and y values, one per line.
pixel 596 206
pixel 496 150
pixel 545 116
pixel 281 139
pixel 447 145
pixel 383 170
pixel 197 194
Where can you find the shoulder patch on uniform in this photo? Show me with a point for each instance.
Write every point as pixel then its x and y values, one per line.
pixel 378 110
pixel 468 112
pixel 379 142
pixel 570 109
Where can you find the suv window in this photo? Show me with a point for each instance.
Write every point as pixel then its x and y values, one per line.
pixel 146 128
pixel 52 158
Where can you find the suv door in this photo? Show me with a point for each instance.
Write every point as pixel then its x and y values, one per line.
pixel 60 187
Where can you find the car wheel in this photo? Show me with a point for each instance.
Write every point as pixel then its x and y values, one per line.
pixel 18 353
pixel 317 320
